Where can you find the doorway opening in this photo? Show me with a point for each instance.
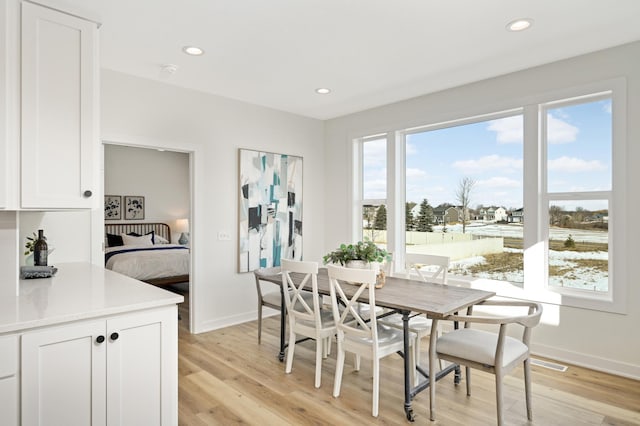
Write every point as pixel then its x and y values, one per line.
pixel 160 181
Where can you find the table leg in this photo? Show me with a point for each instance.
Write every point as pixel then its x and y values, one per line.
pixel 283 324
pixel 408 410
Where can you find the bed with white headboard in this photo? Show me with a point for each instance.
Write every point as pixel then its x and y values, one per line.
pixel 144 251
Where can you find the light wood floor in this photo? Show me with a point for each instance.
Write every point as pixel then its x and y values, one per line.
pixel 226 377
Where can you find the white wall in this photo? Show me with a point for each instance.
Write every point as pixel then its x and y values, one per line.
pixel 67 233
pixel 161 177
pixel 9 240
pixel 146 113
pixel 597 339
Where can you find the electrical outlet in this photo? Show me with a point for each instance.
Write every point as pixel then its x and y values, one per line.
pixel 224 236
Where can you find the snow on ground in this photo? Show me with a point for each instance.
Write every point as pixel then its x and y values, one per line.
pixel 578 277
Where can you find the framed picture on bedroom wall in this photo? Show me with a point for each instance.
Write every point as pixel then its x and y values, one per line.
pixel 133 207
pixel 270 223
pixel 112 207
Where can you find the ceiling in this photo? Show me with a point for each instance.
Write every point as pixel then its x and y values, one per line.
pixel 275 53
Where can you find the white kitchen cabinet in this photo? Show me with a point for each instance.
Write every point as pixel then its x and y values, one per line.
pixel 4 56
pixel 59 110
pixel 116 371
pixel 9 380
pixel 9 105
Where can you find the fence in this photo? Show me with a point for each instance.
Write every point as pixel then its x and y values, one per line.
pixel 455 245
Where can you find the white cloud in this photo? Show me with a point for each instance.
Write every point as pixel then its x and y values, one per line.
pixel 371 173
pixel 415 173
pixel 489 162
pixel 375 153
pixel 559 131
pixel 436 194
pixel 508 129
pixel 500 182
pixel 375 189
pixel 572 165
pixel 410 149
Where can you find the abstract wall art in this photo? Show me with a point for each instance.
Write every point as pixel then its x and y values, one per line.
pixel 270 225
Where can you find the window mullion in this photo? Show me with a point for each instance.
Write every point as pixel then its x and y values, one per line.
pixel 533 197
pixel 357 191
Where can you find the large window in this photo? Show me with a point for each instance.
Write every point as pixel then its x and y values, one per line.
pixel 464 196
pixel 526 202
pixel 374 190
pixel 578 139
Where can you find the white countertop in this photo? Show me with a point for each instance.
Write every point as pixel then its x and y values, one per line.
pixel 78 291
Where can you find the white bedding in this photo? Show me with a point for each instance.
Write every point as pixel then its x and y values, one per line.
pixel 147 263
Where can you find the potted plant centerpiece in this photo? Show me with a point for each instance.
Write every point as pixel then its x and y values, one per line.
pixel 363 254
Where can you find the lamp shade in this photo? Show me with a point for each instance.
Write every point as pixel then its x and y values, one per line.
pixel 182 225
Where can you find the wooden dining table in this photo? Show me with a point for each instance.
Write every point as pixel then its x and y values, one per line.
pixel 408 297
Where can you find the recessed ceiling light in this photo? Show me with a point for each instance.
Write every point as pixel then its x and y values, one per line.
pixel 193 50
pixel 519 24
pixel 323 91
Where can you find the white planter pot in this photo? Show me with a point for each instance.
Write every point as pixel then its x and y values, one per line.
pixel 361 264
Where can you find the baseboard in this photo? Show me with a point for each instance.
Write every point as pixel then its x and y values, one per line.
pixel 588 361
pixel 232 320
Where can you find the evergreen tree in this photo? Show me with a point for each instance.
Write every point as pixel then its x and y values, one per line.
pixel 409 221
pixel 569 242
pixel 381 218
pixel 425 217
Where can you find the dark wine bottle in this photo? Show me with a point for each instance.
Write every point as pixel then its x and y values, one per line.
pixel 40 250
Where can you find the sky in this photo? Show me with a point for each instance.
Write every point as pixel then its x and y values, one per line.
pixel 491 153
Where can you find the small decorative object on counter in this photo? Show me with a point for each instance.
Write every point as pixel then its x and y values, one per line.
pixel 381 278
pixel 28 272
pixel 40 250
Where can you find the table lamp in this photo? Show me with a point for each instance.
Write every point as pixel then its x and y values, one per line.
pixel 182 226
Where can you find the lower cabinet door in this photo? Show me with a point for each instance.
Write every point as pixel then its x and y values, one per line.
pixel 9 401
pixel 63 375
pixel 9 388
pixel 142 379
pixel 121 371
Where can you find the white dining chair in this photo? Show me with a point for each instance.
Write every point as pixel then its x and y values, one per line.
pixel 271 298
pixel 306 317
pixel 356 334
pixel 496 353
pixel 428 268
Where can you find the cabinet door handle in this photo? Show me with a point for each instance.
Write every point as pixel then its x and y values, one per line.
pixel 87 194
pixel 100 339
pixel 114 336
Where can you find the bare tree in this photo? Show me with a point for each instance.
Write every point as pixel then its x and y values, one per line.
pixel 463 195
pixel 555 215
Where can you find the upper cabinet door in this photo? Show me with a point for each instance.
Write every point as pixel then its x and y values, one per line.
pixel 9 104
pixel 59 110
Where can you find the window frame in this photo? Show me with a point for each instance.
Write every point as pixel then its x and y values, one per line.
pixel 535 201
pixel 358 189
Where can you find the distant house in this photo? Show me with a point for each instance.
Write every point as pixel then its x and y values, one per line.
pixel 597 217
pixel 516 216
pixel 447 214
pixel 493 214
pixel 415 211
